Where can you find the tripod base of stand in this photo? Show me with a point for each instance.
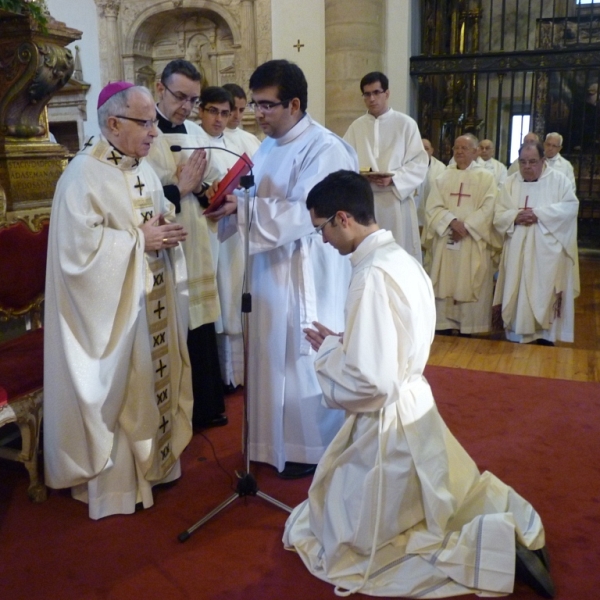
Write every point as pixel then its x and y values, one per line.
pixel 246 486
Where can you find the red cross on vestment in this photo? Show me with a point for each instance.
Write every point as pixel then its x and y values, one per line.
pixel 460 194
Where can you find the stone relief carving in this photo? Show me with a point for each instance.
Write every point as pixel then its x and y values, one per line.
pixel 212 34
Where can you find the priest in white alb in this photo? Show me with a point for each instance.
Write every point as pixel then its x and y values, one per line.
pixel 216 105
pixel 555 160
pixel 495 167
pixel 397 507
pixel 245 141
pixel 388 144
pixel 460 236
pixel 294 278
pixel 436 167
pixel 117 385
pixel 539 269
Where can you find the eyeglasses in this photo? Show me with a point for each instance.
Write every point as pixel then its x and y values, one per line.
pixel 181 97
pixel 375 93
pixel 215 112
pixel 267 107
pixel 532 162
pixel 145 123
pixel 320 228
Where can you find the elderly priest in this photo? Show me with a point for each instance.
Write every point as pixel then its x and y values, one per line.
pixel 539 269
pixel 461 238
pixel 117 386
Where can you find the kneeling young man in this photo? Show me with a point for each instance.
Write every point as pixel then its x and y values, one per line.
pixel 397 507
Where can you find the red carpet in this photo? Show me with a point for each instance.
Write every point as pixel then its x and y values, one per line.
pixel 540 436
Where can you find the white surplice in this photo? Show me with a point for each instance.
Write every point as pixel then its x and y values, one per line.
pixel 295 279
pixel 435 169
pixel 244 140
pixel 117 387
pixel 538 261
pixel 497 169
pixel 231 346
pixel 397 507
pixel 462 272
pixel 562 165
pixel 199 254
pixel 392 143
pixel 229 255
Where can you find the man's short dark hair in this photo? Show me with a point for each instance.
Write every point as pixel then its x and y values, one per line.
pixel 181 67
pixel 537 145
pixel 216 95
pixel 286 76
pixel 346 191
pixel 235 90
pixel 374 77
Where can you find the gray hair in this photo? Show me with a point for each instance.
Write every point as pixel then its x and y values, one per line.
pixel 556 135
pixel 471 136
pixel 117 104
pixel 473 141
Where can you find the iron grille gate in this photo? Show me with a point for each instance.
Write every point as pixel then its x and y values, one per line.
pixel 500 68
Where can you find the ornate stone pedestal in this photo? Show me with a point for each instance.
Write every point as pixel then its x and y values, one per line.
pixel 33 66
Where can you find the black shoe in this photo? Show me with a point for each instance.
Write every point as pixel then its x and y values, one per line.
pixel 530 569
pixel 452 332
pixel 294 470
pixel 543 342
pixel 543 555
pixel 219 421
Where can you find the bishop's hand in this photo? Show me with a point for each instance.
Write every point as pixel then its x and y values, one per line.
pixel 158 234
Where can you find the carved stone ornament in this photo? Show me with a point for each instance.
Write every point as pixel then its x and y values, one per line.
pixel 33 66
pixel 108 8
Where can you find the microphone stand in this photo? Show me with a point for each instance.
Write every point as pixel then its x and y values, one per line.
pixel 246 483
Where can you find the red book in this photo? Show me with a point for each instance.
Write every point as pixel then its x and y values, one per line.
pixel 230 182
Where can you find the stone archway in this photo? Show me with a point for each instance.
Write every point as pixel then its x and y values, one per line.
pixel 200 36
pixel 141 36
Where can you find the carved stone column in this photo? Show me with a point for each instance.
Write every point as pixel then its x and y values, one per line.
pixel 248 51
pixel 355 45
pixel 110 40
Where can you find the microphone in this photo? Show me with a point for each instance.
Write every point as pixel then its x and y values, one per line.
pixel 228 181
pixel 177 148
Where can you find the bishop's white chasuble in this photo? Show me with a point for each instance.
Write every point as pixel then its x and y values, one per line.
pixel 117 388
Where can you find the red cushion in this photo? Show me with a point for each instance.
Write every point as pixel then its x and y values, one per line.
pixel 22 364
pixel 22 265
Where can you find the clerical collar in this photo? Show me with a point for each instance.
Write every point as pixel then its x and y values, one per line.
pixel 166 126
pixel 371 242
pixel 383 114
pixel 106 152
pixel 296 131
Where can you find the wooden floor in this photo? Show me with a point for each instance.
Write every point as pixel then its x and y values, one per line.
pixel 579 361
